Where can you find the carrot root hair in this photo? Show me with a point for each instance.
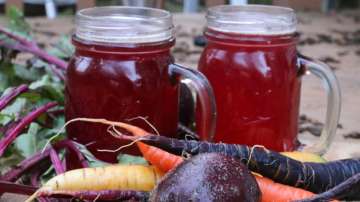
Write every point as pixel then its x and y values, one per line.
pixel 128 127
pixel 115 133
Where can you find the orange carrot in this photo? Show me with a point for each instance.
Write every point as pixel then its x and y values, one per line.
pixel 165 161
pixel 276 192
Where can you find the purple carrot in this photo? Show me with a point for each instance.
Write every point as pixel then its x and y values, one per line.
pixel 11 187
pixel 6 99
pixel 56 162
pixel 350 185
pixel 113 195
pixel 25 45
pixel 12 133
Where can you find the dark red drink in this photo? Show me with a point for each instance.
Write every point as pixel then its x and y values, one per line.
pixel 119 83
pixel 257 88
pixel 252 63
pixel 122 69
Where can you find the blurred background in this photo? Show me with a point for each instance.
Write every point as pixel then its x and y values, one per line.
pixel 52 8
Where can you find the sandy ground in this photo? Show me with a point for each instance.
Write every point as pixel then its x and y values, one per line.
pixel 313 100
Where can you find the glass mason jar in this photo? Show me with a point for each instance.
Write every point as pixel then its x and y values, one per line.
pixel 255 71
pixel 122 69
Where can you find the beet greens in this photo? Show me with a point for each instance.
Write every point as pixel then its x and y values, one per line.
pixel 6 99
pixel 12 133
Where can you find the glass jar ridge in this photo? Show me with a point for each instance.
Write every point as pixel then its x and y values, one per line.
pixel 252 19
pixel 122 24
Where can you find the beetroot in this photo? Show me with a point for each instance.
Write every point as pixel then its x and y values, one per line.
pixel 208 177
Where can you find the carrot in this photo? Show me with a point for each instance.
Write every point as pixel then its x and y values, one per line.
pixel 315 177
pixel 275 192
pixel 341 189
pixel 101 181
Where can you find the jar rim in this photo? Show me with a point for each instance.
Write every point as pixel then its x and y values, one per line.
pixel 86 13
pixel 124 24
pixel 252 19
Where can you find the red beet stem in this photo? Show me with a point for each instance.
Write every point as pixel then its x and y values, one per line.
pixel 12 133
pixel 35 160
pixel 56 162
pixel 81 158
pixel 29 46
pixel 6 99
pixel 34 179
pixel 27 164
pixel 113 195
pixel 10 187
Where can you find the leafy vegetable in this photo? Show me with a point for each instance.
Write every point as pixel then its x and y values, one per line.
pixel 16 21
pixel 63 49
pixel 42 86
pixel 28 142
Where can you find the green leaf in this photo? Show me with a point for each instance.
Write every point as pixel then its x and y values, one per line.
pixel 6 91
pixel 130 159
pixel 16 107
pixel 17 22
pixel 25 73
pixel 63 48
pixel 4 82
pixel 58 123
pixel 12 111
pixel 27 143
pixel 31 96
pixel 11 158
pixel 12 74
pixel 93 161
pixel 53 90
pixel 6 75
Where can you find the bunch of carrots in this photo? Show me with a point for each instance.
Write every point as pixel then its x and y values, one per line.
pixel 124 182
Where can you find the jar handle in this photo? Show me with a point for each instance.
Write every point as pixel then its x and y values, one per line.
pixel 328 78
pixel 205 95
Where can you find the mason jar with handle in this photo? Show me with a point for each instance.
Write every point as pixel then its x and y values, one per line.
pixel 122 69
pixel 253 65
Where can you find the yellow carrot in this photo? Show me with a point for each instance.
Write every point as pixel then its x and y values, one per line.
pixel 112 177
